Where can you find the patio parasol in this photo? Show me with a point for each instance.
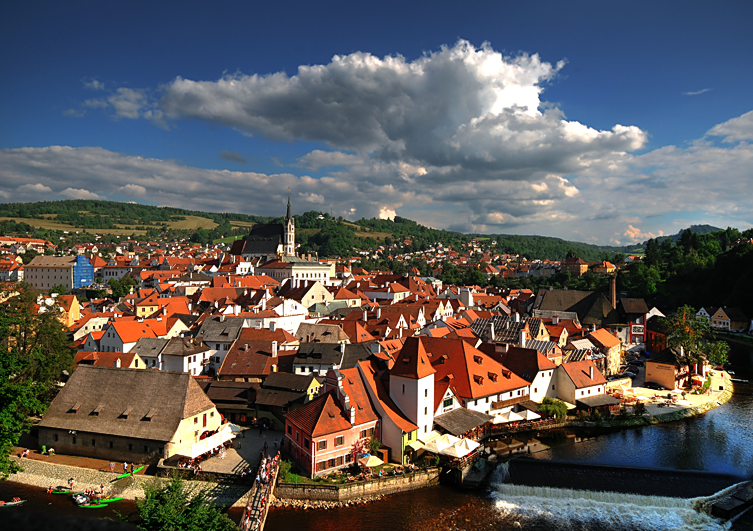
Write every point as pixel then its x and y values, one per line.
pixel 529 415
pixel 370 461
pixel 440 443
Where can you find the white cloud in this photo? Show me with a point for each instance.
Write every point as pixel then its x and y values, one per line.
pixel 133 190
pixel 79 193
pixel 697 92
pixel 318 159
pixel 129 103
pixel 387 213
pixel 739 128
pixel 37 188
pixel 93 84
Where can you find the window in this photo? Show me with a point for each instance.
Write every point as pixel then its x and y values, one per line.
pixel 403 388
pixel 110 444
pixel 426 411
pixel 339 440
pixel 339 461
pixel 306 442
pixel 321 465
pixel 74 440
pixel 535 390
pixel 331 463
pixel 290 430
pixel 55 437
pixel 321 445
pixel 447 402
pixel 130 448
pixel 211 415
pixel 94 442
pixel 426 393
pixel 146 449
pixel 196 420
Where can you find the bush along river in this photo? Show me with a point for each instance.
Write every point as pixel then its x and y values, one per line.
pixel 696 457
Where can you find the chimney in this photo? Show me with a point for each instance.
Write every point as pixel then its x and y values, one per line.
pixel 522 339
pixel 274 349
pixel 352 416
pixel 342 348
pixel 366 316
pixel 274 368
pixel 117 363
pixel 245 347
pixel 556 320
pixel 400 333
pixel 379 312
pixel 613 290
pixel 222 317
pixel 591 372
pixel 376 347
pixel 517 317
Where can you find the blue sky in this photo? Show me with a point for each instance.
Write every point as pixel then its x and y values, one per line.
pixel 603 122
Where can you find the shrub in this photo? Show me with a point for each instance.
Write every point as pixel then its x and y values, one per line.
pixel 284 470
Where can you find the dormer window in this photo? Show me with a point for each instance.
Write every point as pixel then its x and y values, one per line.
pixel 493 376
pixel 478 379
pixel 478 359
pixel 98 409
pixel 126 413
pixel 75 408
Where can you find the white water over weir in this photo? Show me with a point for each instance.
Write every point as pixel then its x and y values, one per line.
pixel 545 508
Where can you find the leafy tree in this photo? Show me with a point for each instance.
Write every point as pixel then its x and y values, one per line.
pixel 685 330
pixel 172 505
pixel 553 408
pixel 121 288
pixel 35 351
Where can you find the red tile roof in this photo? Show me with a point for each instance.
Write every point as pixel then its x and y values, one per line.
pixel 321 416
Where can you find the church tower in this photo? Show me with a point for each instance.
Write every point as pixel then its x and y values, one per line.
pixel 289 232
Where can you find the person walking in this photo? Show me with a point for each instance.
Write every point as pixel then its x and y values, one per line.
pixel 125 467
pixel 112 466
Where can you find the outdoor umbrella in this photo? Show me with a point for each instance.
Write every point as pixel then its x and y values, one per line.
pixel 529 415
pixel 370 461
pixel 440 443
pixel 233 428
pixel 455 450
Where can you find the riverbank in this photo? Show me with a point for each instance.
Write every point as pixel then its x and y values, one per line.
pixel 43 474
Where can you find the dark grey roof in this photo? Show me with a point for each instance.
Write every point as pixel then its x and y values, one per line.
pixel 184 346
pixel 592 307
pixel 506 328
pixel 288 382
pixel 355 353
pixel 735 314
pixel 276 397
pixel 169 396
pixel 320 333
pixel 223 392
pixel 320 353
pixel 461 420
pixel 631 306
pixel 220 329
pixel 598 401
pixel 545 347
pixel 264 239
pixel 149 346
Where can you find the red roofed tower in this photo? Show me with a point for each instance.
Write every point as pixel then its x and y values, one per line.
pixel 412 384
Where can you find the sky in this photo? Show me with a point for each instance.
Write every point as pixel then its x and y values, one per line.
pixel 601 122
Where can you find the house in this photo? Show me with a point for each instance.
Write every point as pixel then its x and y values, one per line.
pixel 321 333
pixel 185 354
pixel 318 358
pixel 71 272
pixel 219 333
pixel 532 366
pixel 575 266
pixel 610 346
pixel 664 369
pixel 577 380
pixel 634 312
pixel 331 431
pixel 127 415
pixel 234 400
pixel 729 319
pixel 283 392
pixel 590 307
pixel 125 360
pixel 253 361
pixel 604 268
pixel 307 292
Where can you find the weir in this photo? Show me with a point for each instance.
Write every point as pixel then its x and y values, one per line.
pixel 646 481
pixel 544 506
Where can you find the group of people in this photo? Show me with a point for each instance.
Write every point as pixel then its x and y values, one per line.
pixel 264 480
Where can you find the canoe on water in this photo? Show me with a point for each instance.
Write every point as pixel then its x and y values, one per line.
pixel 92 505
pixel 111 500
pixel 61 490
pixel 13 504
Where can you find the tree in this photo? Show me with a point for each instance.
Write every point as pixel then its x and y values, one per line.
pixel 172 505
pixel 553 408
pixel 35 352
pixel 694 335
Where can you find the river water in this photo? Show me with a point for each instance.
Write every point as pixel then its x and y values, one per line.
pixel 719 441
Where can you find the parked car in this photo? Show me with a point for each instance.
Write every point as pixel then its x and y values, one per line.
pixel 629 374
pixel 637 363
pixel 655 386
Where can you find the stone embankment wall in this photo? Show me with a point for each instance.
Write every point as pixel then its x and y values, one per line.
pixel 357 491
pixel 43 474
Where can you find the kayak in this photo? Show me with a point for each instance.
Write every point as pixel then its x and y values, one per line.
pixel 111 500
pixel 61 490
pixel 13 504
pixel 93 505
pixel 126 474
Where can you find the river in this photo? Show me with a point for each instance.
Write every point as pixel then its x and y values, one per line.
pixel 719 441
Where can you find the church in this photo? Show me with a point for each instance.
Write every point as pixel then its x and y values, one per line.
pixel 268 241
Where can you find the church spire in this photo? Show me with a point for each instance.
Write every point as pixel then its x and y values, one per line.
pixel 288 216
